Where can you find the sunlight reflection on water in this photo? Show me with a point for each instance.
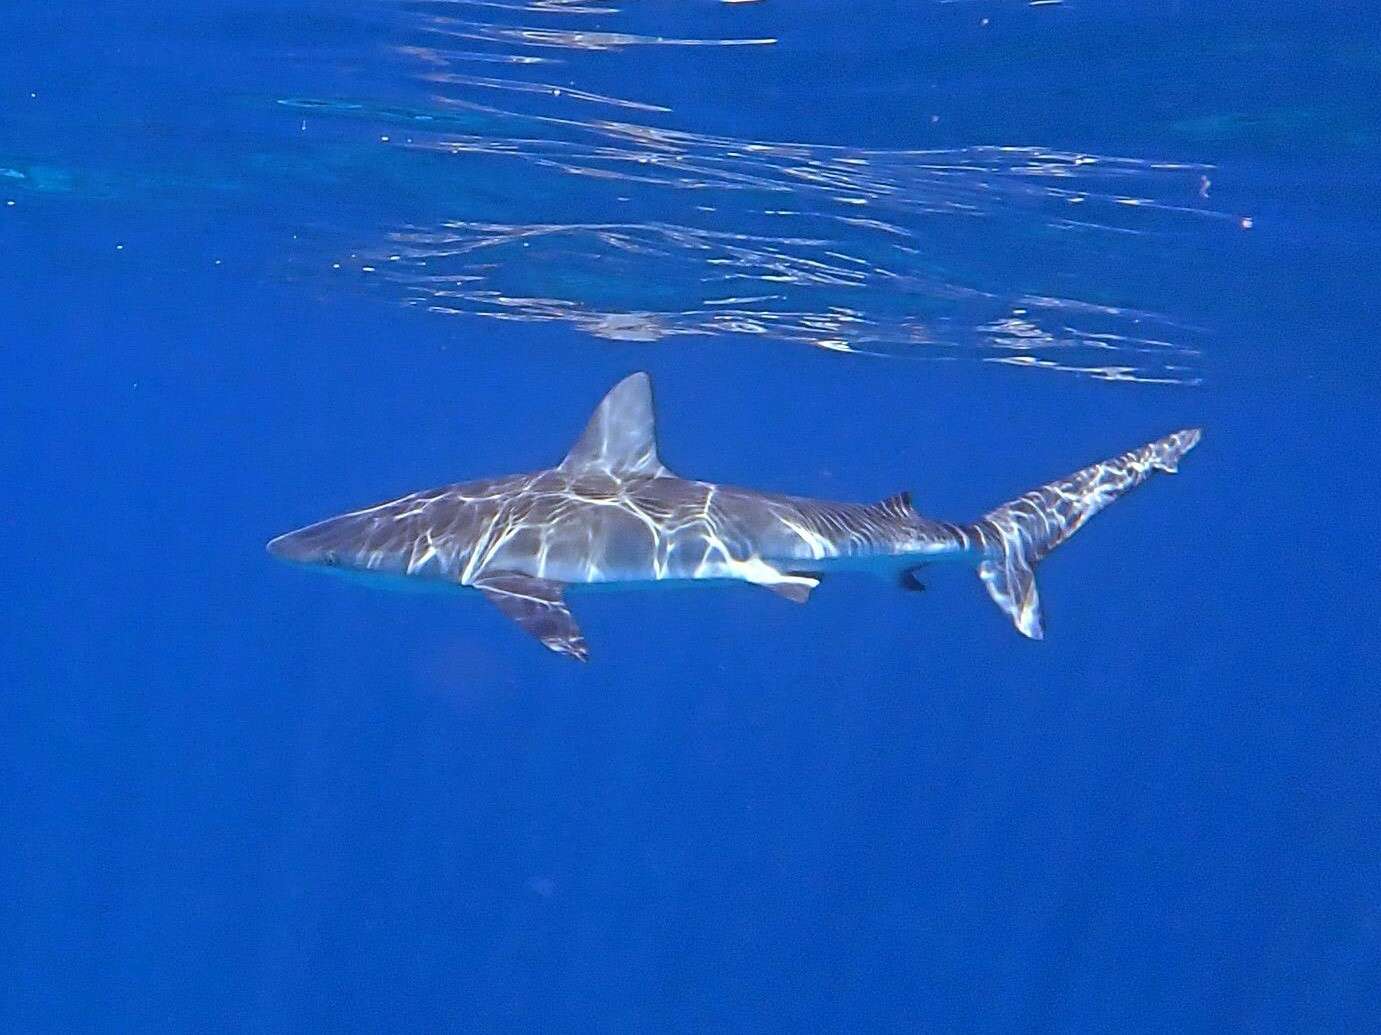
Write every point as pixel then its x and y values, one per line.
pixel 640 232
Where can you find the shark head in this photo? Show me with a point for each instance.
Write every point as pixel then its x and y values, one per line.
pixel 333 543
pixel 424 534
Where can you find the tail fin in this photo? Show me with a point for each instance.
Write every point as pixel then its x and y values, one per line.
pixel 1018 534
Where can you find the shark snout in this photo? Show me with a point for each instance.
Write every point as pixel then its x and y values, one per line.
pixel 291 548
pixel 305 546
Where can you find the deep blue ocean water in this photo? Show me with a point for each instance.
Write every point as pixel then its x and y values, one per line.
pixel 265 262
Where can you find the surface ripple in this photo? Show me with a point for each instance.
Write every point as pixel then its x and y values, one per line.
pixel 568 200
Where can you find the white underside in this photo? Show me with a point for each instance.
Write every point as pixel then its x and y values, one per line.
pixel 760 572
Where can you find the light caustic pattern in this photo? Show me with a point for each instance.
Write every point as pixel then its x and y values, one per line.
pixel 521 540
pixel 834 247
pixel 612 513
pixel 609 513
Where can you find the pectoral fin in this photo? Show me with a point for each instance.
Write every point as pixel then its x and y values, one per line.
pixel 537 606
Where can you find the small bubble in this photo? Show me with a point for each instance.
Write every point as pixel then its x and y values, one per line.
pixel 1247 223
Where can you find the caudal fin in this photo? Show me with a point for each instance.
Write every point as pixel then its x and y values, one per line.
pixel 1016 535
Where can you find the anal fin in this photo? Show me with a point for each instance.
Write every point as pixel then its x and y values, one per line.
pixel 910 580
pixel 538 607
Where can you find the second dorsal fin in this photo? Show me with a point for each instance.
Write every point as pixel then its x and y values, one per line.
pixel 897 506
pixel 621 437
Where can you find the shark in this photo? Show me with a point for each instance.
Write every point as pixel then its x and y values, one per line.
pixel 611 514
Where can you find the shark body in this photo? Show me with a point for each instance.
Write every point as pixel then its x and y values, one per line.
pixel 612 514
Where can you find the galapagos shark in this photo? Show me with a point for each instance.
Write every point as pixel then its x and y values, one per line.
pixel 611 513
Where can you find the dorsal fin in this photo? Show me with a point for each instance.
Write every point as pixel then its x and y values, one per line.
pixel 621 437
pixel 897 506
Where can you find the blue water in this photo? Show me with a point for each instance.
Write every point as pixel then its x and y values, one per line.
pixel 264 262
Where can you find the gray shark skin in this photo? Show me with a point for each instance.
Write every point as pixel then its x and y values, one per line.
pixel 611 513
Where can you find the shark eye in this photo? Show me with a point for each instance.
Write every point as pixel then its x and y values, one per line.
pixel 330 559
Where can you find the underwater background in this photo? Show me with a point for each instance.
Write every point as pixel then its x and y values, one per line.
pixel 268 261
